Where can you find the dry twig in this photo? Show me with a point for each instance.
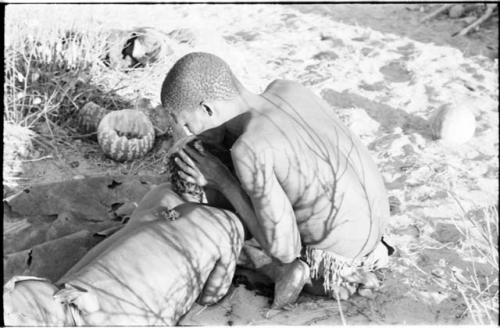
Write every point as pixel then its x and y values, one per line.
pixel 438 11
pixel 489 10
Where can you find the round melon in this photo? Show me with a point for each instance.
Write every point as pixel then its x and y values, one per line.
pixel 89 116
pixel 125 135
pixel 453 125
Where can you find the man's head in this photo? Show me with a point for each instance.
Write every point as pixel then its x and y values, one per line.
pixel 194 86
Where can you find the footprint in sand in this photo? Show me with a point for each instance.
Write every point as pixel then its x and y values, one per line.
pixel 362 38
pixel 335 42
pixel 377 44
pixel 473 72
pixel 408 50
pixel 246 36
pixel 311 75
pixel 395 72
pixel 326 55
pixel 377 86
pixel 446 233
pixel 366 51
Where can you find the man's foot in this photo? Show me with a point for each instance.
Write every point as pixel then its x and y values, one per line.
pixel 289 283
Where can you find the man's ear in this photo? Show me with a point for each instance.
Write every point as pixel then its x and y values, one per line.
pixel 207 107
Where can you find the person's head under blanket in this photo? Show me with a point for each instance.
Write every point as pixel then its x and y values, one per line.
pixel 305 187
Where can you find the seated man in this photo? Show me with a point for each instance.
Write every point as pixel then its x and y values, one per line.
pixel 304 186
pixel 148 273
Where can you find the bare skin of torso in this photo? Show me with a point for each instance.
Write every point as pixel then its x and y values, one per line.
pixel 310 180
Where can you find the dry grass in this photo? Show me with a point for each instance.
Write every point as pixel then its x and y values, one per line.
pixel 51 72
pixel 52 69
pixel 48 76
pixel 479 229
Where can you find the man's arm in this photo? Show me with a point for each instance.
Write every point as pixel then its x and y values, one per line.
pixel 214 135
pixel 262 204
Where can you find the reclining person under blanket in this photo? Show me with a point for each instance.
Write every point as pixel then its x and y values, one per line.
pixel 151 272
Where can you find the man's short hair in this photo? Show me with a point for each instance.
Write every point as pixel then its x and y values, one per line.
pixel 197 77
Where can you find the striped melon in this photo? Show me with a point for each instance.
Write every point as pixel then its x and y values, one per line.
pixel 89 116
pixel 125 135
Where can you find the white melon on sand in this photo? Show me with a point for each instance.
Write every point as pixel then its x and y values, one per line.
pixel 453 124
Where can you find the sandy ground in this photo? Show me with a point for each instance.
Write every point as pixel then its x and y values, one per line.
pixel 403 20
pixel 385 76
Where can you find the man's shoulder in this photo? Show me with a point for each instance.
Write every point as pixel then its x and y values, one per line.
pixel 247 142
pixel 249 146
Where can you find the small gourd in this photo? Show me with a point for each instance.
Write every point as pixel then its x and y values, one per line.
pixel 89 116
pixel 125 135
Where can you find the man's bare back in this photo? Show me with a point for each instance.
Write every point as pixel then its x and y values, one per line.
pixel 305 187
pixel 329 179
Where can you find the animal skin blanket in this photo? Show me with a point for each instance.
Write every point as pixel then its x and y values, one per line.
pixel 49 227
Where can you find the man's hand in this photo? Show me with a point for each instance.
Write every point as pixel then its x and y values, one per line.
pixel 202 168
pixel 180 144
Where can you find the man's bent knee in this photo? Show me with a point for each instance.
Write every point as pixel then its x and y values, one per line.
pixel 283 255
